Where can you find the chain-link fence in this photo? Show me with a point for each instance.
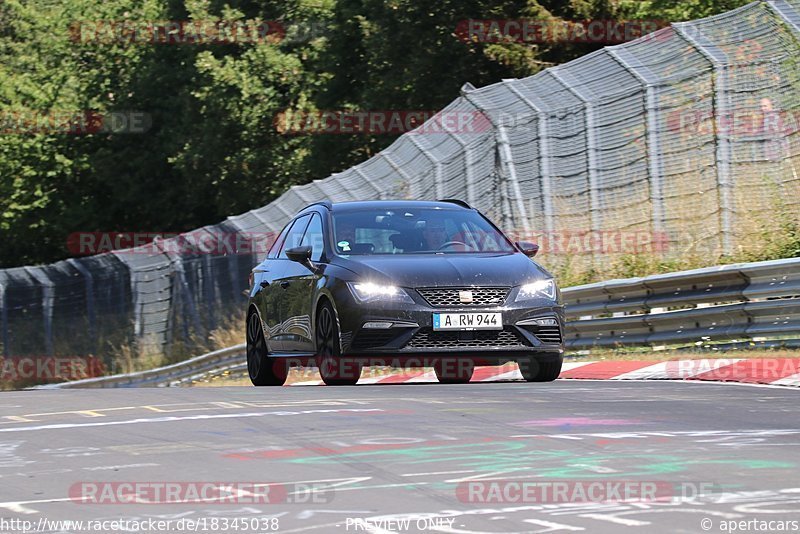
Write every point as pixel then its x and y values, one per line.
pixel 689 136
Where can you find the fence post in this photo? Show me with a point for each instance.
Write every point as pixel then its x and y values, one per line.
pixel 507 159
pixel 437 166
pixel 185 295
pixel 88 280
pixel 48 299
pixel 399 170
pixel 655 162
pixel 369 180
pixel 718 60
pixel 591 147
pixel 469 167
pixel 789 14
pixel 4 319
pixel 545 171
pixel 507 168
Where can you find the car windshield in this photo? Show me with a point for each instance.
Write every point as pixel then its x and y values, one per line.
pixel 416 231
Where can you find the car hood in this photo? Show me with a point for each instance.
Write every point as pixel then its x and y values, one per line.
pixel 454 270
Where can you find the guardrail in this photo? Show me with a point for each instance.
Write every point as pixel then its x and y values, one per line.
pixel 228 359
pixel 743 301
pixel 730 302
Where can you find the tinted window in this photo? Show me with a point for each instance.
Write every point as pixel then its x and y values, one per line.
pixel 416 231
pixel 276 245
pixel 294 236
pixel 313 237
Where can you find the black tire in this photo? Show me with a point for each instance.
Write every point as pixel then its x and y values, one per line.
pixel 263 370
pixel 453 371
pixel 334 370
pixel 535 370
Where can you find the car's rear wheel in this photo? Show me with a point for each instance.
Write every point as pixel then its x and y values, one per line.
pixel 334 370
pixel 453 371
pixel 263 370
pixel 535 370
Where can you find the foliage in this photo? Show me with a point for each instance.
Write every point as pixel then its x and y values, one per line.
pixel 212 149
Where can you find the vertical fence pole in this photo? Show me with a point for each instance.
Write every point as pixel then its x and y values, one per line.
pixel 655 161
pixel 789 14
pixel 48 299
pixel 397 168
pixel 545 169
pixel 507 160
pixel 4 320
pixel 508 170
pixel 591 147
pixel 722 112
pixel 370 181
pixel 468 167
pixel 91 314
pixel 437 166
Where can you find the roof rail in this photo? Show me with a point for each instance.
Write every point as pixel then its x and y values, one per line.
pixel 456 201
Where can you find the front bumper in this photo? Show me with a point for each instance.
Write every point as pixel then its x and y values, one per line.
pixel 412 334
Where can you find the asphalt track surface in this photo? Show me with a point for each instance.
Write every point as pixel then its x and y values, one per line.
pixel 378 456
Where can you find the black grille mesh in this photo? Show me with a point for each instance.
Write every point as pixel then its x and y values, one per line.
pixel 428 339
pixel 441 297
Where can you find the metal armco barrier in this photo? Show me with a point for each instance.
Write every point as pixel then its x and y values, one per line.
pixel 231 358
pixel 740 301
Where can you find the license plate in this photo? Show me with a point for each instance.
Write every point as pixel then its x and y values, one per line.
pixel 467 321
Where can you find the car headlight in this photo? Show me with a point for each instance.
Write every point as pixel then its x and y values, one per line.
pixel 369 292
pixel 538 289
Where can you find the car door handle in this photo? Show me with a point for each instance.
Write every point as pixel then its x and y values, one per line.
pixel 284 284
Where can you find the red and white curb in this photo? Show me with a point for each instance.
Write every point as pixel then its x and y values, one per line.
pixel 772 371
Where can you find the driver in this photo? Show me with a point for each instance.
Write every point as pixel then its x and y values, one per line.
pixel 434 234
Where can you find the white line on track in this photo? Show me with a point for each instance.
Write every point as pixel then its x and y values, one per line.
pixel 438 473
pixel 171 419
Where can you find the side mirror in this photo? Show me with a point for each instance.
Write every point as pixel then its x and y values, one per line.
pixel 299 254
pixel 527 248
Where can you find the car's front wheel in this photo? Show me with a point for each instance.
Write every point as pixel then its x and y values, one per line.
pixel 334 370
pixel 263 370
pixel 536 370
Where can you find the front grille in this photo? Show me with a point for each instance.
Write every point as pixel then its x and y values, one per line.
pixel 368 338
pixel 447 297
pixel 428 339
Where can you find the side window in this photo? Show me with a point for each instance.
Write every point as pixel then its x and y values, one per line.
pixel 313 237
pixel 294 236
pixel 276 245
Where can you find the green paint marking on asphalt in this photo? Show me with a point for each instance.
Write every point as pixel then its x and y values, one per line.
pixel 512 455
